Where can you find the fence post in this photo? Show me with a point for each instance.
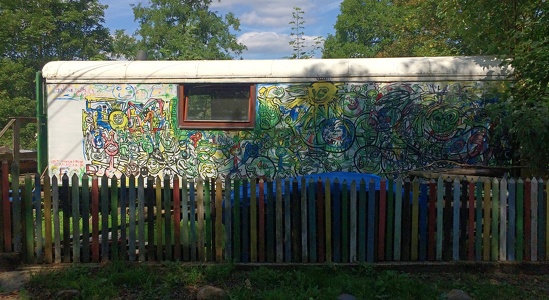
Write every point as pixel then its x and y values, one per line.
pixel 75 197
pixel 503 220
pixel 95 219
pixel 168 218
pixel 455 229
pixel 38 218
pixel 200 219
pixel 16 206
pixel 85 219
pixel 131 203
pixel 104 218
pixel 440 214
pixel 228 221
pixel 185 219
pixel 287 223
pixel 123 223
pixel 352 222
pixel 511 233
pixel 415 220
pixel 279 222
pixel 56 225
pixel 382 241
pixel 398 220
pixel 65 203
pixel 47 221
pixel 542 219
pixel 236 216
pixel 362 227
pixel 141 216
pixel 29 224
pixel 253 220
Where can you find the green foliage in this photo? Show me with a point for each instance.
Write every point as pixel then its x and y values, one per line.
pixel 516 31
pixel 172 29
pixel 388 28
pixel 34 32
pixel 38 31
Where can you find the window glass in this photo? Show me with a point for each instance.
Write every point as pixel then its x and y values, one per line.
pixel 217 105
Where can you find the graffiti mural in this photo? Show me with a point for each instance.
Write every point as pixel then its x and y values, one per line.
pixel 301 129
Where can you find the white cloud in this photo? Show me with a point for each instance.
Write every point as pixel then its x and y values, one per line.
pixel 265 27
pixel 270 45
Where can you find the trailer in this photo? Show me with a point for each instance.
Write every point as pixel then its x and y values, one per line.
pixel 269 118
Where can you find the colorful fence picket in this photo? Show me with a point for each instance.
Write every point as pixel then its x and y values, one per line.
pixel 91 219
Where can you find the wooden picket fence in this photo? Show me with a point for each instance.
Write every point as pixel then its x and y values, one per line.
pixel 91 219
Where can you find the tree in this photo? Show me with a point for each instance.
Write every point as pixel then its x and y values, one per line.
pixel 386 28
pixel 517 31
pixel 34 32
pixel 514 30
pixel 172 29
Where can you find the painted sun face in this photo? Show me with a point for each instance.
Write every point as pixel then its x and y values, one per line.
pixel 322 93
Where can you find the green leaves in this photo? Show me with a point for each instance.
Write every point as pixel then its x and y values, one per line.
pixel 172 29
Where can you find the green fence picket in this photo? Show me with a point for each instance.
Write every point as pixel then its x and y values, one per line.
pixel 6 208
pixel 48 254
pixel 95 219
pixel 39 240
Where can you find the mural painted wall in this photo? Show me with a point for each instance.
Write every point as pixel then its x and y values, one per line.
pixel 301 129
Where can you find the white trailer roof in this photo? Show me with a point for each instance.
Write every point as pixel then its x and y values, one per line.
pixel 274 71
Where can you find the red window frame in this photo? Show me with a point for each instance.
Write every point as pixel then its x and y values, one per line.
pixel 209 124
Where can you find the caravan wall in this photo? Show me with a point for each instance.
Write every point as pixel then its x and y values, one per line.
pixel 302 126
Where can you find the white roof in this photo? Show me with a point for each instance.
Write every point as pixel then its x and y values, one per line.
pixel 275 71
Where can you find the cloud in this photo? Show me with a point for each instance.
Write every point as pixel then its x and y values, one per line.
pixel 270 45
pixel 265 27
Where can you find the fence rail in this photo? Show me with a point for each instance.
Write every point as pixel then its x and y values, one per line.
pixel 91 219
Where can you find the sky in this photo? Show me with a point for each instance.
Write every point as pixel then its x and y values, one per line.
pixel 264 24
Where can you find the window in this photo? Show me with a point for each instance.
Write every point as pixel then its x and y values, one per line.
pixel 219 106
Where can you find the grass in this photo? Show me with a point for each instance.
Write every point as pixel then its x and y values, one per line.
pixel 178 281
